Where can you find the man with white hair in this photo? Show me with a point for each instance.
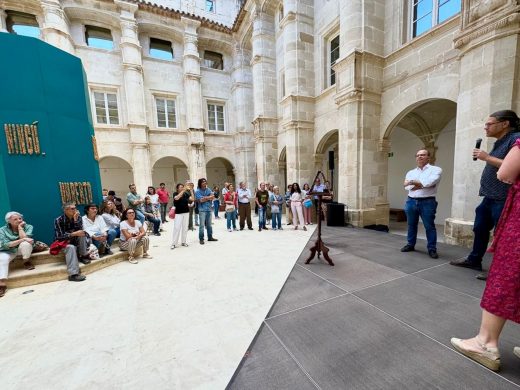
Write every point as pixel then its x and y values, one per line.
pixel 69 227
pixel 15 239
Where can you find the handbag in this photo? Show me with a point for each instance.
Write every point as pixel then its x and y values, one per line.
pixel 275 208
pixel 230 208
pixel 57 246
pixel 40 247
pixel 307 203
pixel 171 213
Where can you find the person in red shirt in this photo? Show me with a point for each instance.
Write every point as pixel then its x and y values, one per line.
pixel 164 198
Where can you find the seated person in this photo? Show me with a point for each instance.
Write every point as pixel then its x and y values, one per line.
pixel 69 227
pixel 133 236
pixel 135 202
pixel 117 201
pixel 94 224
pixel 150 213
pixel 111 216
pixel 15 239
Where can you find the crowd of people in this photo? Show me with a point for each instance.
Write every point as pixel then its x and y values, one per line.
pixel 84 238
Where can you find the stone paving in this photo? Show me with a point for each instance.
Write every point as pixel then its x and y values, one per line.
pixel 181 320
pixel 378 319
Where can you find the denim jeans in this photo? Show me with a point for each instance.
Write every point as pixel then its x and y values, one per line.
pixel 139 215
pixel 261 217
pixel 216 205
pixel 164 207
pixel 487 215
pixel 156 223
pixel 426 209
pixel 231 219
pixel 276 220
pixel 205 220
pixel 111 235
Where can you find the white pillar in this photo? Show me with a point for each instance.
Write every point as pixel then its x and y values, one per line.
pixel 193 99
pixel 134 95
pixel 55 28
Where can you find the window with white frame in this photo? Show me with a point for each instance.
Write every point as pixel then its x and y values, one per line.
pixel 166 114
pixel 99 37
pixel 216 117
pixel 161 49
pixel 210 5
pixel 105 104
pixel 333 55
pixel 428 13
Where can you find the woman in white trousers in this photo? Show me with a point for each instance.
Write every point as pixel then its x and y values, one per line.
pixel 296 206
pixel 181 199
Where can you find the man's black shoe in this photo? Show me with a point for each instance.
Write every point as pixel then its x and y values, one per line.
pixel 77 278
pixel 250 228
pixel 85 260
pixel 407 248
pixel 241 228
pixel 433 254
pixel 482 276
pixel 265 228
pixel 212 239
pixel 201 242
pixel 466 264
pixel 259 229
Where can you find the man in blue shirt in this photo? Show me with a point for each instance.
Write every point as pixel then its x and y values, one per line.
pixel 204 197
pixel 502 125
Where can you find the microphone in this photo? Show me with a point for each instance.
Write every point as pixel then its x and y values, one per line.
pixel 477 146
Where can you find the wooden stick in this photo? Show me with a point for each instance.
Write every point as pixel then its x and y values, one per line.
pixel 89 191
pixel 36 139
pixel 28 139
pixel 21 139
pixel 8 139
pixel 15 139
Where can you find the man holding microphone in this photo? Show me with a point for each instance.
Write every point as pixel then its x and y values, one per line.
pixel 502 125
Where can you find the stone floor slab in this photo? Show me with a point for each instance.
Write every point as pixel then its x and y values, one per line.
pixel 345 343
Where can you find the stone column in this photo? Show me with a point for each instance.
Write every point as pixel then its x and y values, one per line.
pixel 242 96
pixel 55 29
pixel 489 66
pixel 265 120
pixel 298 105
pixel 193 94
pixel 133 90
pixel 3 21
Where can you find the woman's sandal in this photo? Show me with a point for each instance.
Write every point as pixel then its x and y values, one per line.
pixel 489 357
pixel 132 260
pixel 516 351
pixel 28 265
pixel 147 256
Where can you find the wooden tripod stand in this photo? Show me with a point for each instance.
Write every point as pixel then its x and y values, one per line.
pixel 319 247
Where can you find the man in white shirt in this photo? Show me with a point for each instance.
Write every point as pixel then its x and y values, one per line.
pixel 421 184
pixel 244 206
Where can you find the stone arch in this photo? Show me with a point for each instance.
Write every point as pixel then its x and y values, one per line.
pixel 116 174
pixel 428 124
pixel 282 169
pixel 326 149
pixel 170 171
pixel 219 170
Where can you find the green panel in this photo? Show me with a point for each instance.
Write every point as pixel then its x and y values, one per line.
pixel 46 85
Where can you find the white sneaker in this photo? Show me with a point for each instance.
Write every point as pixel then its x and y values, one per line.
pixel 172 247
pixel 230 230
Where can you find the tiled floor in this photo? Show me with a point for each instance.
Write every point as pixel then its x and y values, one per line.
pixel 378 319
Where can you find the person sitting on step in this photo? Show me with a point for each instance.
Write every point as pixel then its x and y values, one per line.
pixel 94 224
pixel 69 227
pixel 133 236
pixel 15 239
pixel 150 214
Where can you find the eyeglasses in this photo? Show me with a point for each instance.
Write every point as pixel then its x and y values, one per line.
pixel 489 124
pixel 129 212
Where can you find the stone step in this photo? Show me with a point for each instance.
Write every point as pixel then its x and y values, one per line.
pixel 37 259
pixel 53 268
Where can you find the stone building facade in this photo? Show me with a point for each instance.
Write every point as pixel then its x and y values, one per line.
pixel 275 90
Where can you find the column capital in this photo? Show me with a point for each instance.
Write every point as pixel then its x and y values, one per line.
pixel 190 25
pixel 126 7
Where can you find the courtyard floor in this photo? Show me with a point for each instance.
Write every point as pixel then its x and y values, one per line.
pixel 203 317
